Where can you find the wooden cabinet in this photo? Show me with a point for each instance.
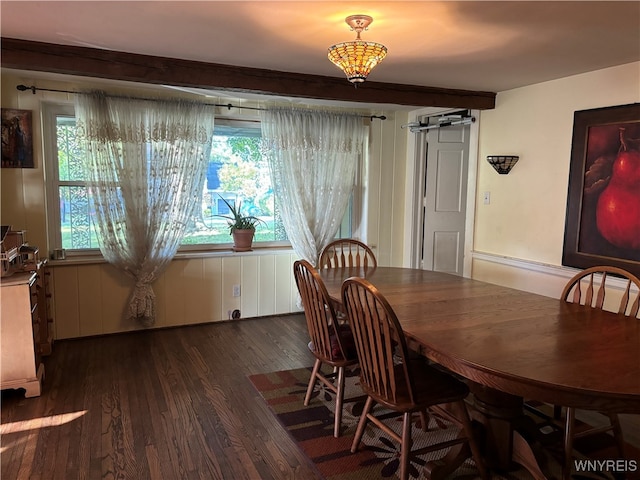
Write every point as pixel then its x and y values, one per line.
pixel 21 333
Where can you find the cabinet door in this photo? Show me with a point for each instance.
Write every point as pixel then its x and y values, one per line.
pixel 16 338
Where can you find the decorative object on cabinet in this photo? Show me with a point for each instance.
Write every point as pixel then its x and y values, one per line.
pixel 17 138
pixel 19 257
pixel 17 254
pixel 29 257
pixel 8 252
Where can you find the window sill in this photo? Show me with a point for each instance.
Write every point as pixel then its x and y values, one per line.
pixel 98 259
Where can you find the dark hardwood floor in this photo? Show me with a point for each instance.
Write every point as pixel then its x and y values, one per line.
pixel 163 404
pixel 167 404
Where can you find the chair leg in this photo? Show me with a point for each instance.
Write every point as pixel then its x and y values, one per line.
pixel 424 420
pixel 361 424
pixel 617 433
pixel 568 443
pixel 463 415
pixel 557 412
pixel 339 401
pixel 312 381
pixel 405 446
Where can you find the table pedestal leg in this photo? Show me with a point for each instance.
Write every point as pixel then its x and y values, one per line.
pixel 502 417
pixel 523 455
pixel 442 468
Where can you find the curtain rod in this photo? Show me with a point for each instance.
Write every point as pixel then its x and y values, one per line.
pixel 33 88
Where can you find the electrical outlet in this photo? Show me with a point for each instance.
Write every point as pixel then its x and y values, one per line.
pixel 487 198
pixel 236 290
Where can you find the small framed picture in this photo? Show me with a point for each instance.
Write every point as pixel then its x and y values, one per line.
pixel 17 138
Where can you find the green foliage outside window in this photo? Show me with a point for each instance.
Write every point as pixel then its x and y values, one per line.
pixel 241 175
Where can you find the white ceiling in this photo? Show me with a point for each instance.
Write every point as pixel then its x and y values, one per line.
pixel 474 45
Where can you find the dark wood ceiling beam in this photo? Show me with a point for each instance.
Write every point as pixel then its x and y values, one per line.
pixel 92 62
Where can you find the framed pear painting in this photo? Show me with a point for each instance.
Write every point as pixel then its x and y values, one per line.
pixel 603 206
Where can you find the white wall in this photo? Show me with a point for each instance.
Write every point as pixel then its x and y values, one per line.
pixel 520 234
pixel 385 189
pixel 518 237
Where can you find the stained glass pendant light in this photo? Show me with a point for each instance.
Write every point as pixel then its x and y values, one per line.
pixel 357 58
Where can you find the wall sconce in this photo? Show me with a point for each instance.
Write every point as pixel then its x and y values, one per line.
pixel 503 163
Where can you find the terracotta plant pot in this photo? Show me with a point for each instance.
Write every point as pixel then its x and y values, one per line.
pixel 242 240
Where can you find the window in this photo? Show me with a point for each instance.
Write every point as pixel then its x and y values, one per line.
pixel 236 173
pixel 69 204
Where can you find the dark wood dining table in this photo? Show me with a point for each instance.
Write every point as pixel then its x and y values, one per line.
pixel 511 345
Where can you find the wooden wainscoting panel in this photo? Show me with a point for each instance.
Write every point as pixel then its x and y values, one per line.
pixel 294 305
pixel 66 313
pixel 211 300
pixel 283 279
pixel 114 293
pixel 231 275
pixel 90 299
pixel 175 292
pixel 195 291
pixel 250 287
pixel 266 278
pixel 160 291
pixel 90 305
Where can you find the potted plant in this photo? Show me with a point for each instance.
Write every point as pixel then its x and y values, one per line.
pixel 241 226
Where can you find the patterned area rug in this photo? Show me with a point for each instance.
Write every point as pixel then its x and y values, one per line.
pixel 378 457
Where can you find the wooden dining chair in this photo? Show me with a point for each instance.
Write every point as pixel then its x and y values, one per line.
pixel 589 287
pixel 347 252
pixel 331 342
pixel 401 384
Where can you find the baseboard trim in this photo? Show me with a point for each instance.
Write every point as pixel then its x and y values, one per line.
pixel 539 267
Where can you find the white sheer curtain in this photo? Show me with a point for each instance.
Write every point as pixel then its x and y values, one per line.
pixel 145 164
pixel 312 158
